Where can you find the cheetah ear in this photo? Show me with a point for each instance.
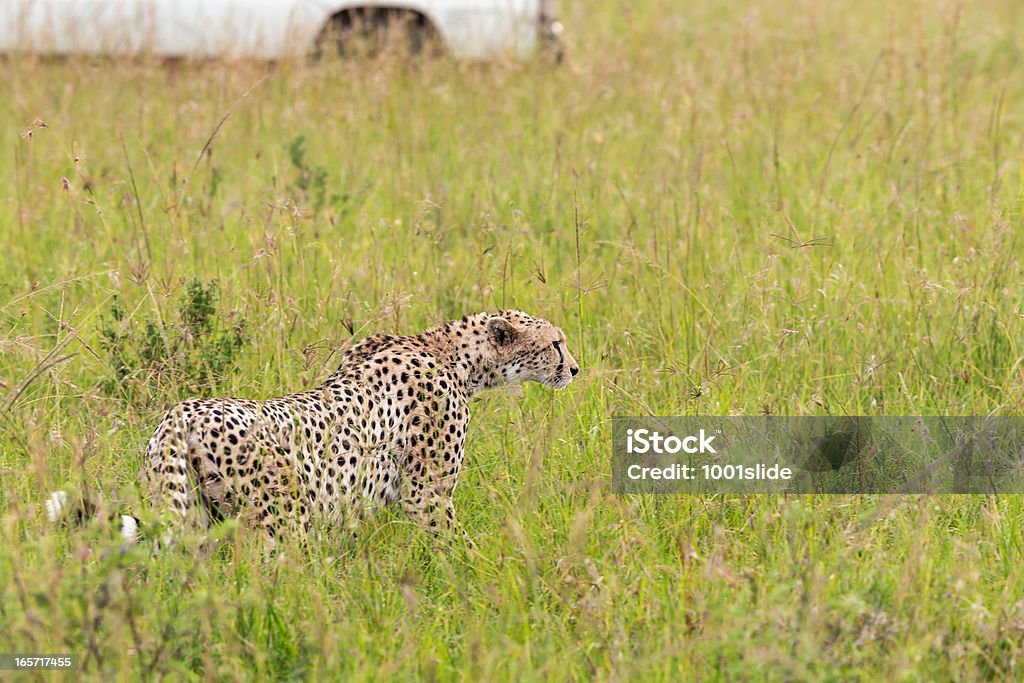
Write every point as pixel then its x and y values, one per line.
pixel 501 330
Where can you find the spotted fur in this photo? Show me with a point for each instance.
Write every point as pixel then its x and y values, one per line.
pixel 388 427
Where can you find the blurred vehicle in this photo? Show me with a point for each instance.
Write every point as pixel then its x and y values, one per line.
pixel 274 29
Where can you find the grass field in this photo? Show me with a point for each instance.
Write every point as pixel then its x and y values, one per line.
pixel 751 207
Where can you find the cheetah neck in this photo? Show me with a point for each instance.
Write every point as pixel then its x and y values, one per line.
pixel 465 347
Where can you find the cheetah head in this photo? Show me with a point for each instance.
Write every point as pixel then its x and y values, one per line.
pixel 531 349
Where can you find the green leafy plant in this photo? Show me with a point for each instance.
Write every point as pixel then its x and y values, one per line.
pixel 196 350
pixel 310 181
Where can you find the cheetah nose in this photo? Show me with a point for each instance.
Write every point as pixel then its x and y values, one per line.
pixel 574 370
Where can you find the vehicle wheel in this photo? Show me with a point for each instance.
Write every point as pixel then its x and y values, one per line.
pixel 377 32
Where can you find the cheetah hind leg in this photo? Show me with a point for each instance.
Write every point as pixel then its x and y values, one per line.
pixel 279 506
pixel 188 498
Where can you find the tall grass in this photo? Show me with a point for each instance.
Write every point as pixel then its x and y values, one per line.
pixel 753 207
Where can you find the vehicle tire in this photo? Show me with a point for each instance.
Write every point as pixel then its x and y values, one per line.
pixel 375 32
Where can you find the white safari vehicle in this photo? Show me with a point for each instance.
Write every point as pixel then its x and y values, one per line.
pixel 272 29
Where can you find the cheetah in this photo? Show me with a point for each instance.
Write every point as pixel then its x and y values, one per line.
pixel 388 427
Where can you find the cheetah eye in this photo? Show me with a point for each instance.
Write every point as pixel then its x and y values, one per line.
pixel 556 344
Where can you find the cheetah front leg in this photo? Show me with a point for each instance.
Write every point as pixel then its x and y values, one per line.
pixel 428 482
pixel 431 456
pixel 429 507
pixel 434 511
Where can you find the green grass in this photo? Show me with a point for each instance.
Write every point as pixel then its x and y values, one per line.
pixel 793 208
